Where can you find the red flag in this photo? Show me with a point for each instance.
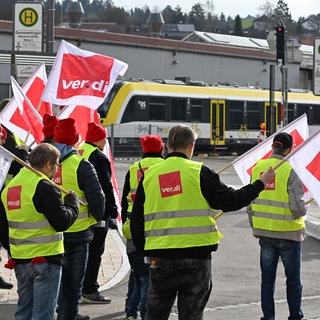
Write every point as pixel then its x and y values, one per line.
pixel 243 165
pixel 305 160
pixel 11 116
pixel 30 115
pixel 81 77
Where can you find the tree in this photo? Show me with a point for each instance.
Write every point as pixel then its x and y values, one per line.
pixel 282 11
pixel 197 17
pixel 168 14
pixel 266 9
pixel 238 26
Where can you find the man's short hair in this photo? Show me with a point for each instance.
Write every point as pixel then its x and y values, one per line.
pixel 43 153
pixel 181 136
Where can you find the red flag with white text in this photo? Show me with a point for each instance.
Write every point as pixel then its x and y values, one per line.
pixel 243 165
pixel 80 77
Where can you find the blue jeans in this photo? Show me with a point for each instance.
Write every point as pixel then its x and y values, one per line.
pixel 139 297
pixel 190 279
pixel 73 271
pixel 38 287
pixel 290 254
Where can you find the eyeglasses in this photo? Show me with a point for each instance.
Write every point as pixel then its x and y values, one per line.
pixel 58 164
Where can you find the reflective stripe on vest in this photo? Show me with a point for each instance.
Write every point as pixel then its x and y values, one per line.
pixel 271 209
pixel 69 181
pixel 188 222
pixel 136 174
pixel 30 234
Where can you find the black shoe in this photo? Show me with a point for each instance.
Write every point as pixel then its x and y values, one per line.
pixel 80 317
pixel 4 284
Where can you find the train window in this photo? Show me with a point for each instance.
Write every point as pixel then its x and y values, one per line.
pixel 157 108
pixel 236 114
pixel 254 115
pixel 178 109
pixel 196 110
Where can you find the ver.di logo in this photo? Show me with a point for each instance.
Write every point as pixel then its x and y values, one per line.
pixel 28 17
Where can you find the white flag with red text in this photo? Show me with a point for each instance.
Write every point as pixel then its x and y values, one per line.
pixel 243 165
pixel 80 77
pixel 305 161
pixel 11 116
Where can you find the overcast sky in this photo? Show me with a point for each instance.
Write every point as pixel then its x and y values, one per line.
pixel 298 8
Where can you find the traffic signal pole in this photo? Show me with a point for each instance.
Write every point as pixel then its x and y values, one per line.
pixel 281 61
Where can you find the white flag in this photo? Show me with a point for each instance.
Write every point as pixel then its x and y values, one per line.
pixel 243 165
pixel 305 161
pixel 5 162
pixel 80 77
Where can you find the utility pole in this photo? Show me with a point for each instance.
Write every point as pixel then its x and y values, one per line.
pixel 50 26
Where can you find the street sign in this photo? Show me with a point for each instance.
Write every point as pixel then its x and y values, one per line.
pixel 28 26
pixel 316 67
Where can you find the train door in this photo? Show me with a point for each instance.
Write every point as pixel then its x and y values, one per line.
pixel 217 122
pixel 267 118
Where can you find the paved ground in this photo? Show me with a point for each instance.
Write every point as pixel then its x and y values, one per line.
pixel 114 268
pixel 113 272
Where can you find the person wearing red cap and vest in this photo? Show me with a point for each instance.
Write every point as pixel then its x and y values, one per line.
pixel 33 217
pixel 92 150
pixel 138 284
pixel 172 222
pixel 276 219
pixel 78 174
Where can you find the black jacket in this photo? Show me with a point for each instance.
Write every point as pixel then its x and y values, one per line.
pixel 103 168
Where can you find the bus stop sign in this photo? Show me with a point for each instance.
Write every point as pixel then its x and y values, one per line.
pixel 28 26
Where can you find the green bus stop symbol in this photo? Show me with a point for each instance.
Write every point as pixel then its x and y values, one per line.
pixel 28 17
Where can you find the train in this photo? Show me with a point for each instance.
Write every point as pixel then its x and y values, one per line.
pixel 227 118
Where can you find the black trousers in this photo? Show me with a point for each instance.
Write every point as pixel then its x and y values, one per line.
pixel 96 250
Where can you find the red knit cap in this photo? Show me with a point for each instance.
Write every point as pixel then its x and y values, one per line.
pixel 151 143
pixel 3 132
pixel 66 132
pixel 95 132
pixel 49 123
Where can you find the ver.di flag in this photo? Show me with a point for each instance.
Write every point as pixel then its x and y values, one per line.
pixel 80 77
pixel 243 165
pixel 305 161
